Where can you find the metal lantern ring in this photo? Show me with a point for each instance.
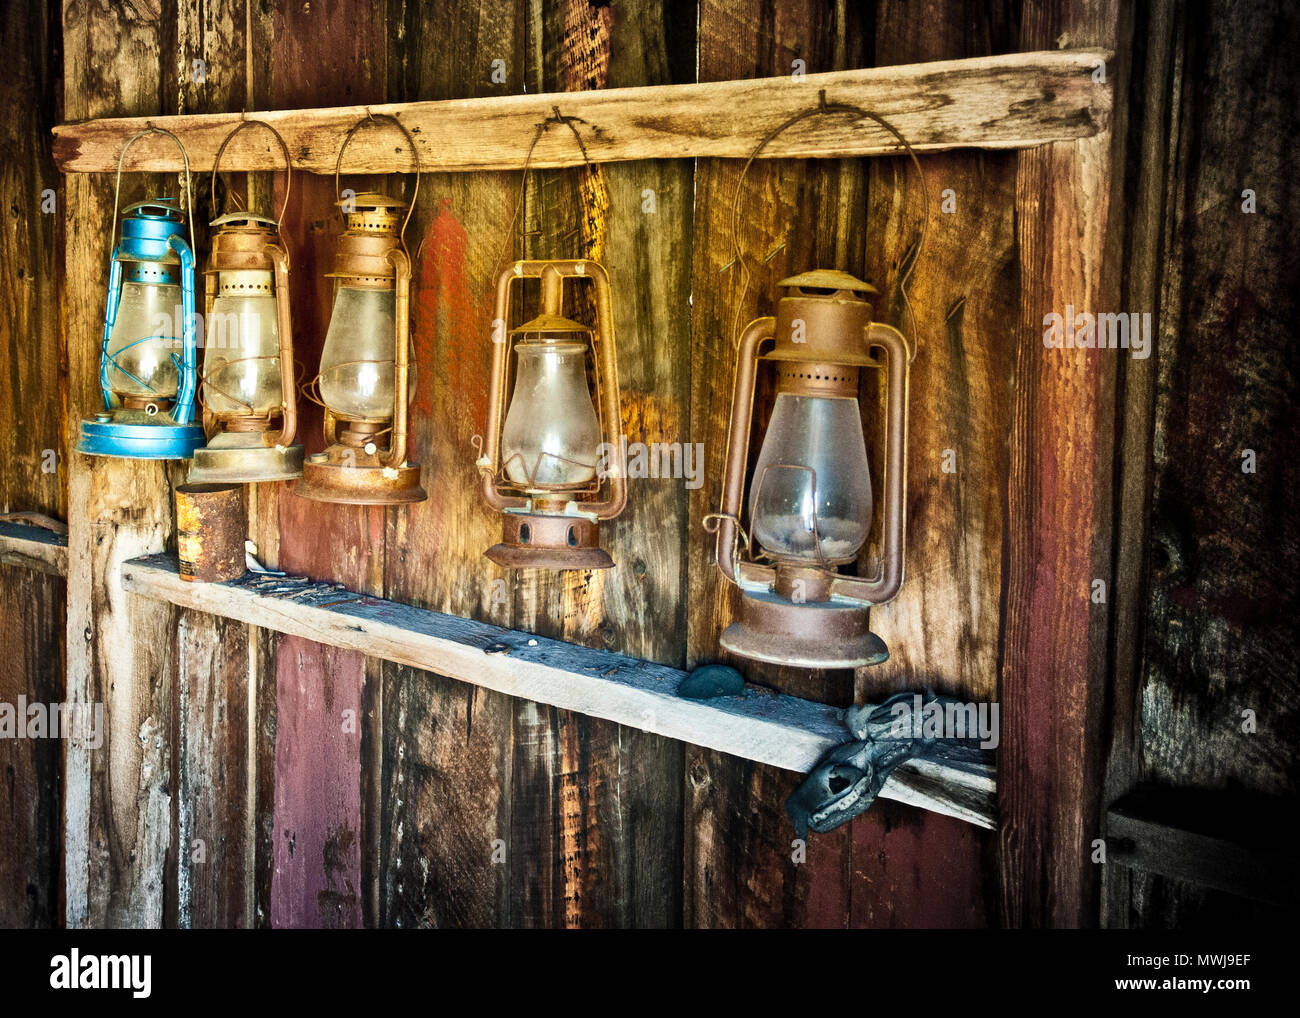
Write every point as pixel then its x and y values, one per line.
pixel 242 396
pixel 148 386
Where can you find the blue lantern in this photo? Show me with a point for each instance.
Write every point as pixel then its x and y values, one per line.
pixel 148 362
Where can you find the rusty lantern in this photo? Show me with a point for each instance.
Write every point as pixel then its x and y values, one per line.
pixel 542 457
pixel 250 411
pixel 365 378
pixel 365 365
pixel 810 500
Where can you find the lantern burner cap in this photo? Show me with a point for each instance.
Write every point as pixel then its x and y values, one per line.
pixel 371 212
pixel 829 281
pixel 550 323
pixel 167 209
pixel 247 220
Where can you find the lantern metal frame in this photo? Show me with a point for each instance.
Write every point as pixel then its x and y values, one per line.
pixel 791 613
pixel 371 255
pixel 244 241
pixel 154 241
pixel 547 525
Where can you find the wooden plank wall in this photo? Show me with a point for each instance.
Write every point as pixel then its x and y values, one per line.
pixel 1216 548
pixel 34 453
pixel 254 781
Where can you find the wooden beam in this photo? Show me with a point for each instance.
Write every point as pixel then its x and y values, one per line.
pixel 1057 516
pixel 1010 101
pixel 34 548
pixel 780 730
pixel 1227 840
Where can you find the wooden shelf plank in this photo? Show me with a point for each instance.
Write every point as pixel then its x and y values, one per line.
pixel 33 548
pixel 779 730
pixel 1010 101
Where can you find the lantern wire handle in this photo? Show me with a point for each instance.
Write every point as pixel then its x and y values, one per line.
pixel 117 192
pixel 521 201
pixel 823 108
pixel 415 154
pixel 288 166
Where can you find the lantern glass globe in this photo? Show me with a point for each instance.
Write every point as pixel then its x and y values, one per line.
pixel 356 371
pixel 812 484
pixel 241 363
pixel 143 340
pixel 551 434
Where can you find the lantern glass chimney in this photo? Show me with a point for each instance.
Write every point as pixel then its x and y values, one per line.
pixel 551 434
pixel 241 363
pixel 143 340
pixel 356 374
pixel 811 484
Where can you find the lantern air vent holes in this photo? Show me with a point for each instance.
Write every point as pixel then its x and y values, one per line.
pixel 525 533
pixel 573 538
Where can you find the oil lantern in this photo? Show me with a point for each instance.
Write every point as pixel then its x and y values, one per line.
pixel 248 387
pixel 147 368
pixel 809 492
pixel 553 407
pixel 365 371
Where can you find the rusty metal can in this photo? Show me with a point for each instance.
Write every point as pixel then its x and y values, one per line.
pixel 210 530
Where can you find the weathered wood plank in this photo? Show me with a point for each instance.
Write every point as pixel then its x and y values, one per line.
pixel 31 643
pixel 1227 841
pixel 579 785
pixel 214 756
pixel 1011 101
pixel 743 866
pixel 1146 104
pixel 118 799
pixel 779 730
pixel 444 853
pixel 34 454
pixel 912 869
pixel 446 754
pixel 1217 696
pixel 1057 524
pixel 326 51
pixel 33 548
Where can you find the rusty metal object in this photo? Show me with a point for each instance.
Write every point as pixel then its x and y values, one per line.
pixel 356 468
pixel 553 526
pixel 249 256
pixel 546 541
pixel 814 634
pixel 211 526
pixel 346 474
pixel 820 339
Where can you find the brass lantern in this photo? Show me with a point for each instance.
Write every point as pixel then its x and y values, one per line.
pixel 810 500
pixel 250 409
pixel 548 425
pixel 365 371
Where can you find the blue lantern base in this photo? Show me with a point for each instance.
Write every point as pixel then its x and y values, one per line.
pixel 140 441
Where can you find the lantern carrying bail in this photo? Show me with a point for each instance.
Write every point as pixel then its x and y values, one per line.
pixel 288 176
pixel 371 199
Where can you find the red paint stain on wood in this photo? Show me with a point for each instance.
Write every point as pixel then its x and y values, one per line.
pixel 914 870
pixel 317 877
pixel 452 309
pixel 338 55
